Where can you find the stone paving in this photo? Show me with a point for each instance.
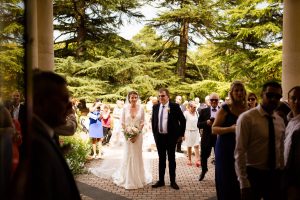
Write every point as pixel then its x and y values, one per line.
pixel 187 179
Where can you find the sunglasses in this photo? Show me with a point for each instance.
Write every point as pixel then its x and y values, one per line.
pixel 161 95
pixel 251 99
pixel 271 95
pixel 214 99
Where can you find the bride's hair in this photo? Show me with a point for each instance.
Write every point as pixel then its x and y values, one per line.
pixel 131 93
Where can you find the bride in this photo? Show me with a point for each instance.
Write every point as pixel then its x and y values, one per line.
pixel 131 174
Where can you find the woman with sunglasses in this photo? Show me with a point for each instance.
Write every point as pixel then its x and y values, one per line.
pixel 252 100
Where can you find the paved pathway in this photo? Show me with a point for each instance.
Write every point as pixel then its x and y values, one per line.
pixel 93 187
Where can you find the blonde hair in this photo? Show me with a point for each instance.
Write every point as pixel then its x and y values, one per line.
pixel 234 85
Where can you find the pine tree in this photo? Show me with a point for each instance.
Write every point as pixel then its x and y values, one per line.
pixel 84 25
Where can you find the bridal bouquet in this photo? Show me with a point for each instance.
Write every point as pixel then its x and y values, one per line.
pixel 131 131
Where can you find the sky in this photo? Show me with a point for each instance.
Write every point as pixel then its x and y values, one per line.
pixel 131 29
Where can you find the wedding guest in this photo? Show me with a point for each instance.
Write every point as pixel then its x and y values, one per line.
pixel 117 137
pixel 106 121
pixel 192 136
pixel 291 178
pixel 252 100
pixel 44 173
pixel 95 128
pixel 168 126
pixel 259 147
pixel 6 151
pixel 16 137
pixel 197 102
pixel 283 110
pixel 227 185
pixel 18 109
pixel 208 140
pixel 178 100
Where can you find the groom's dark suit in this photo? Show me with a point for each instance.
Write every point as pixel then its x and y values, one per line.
pixel 166 143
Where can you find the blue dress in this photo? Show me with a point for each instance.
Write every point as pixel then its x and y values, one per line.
pixel 95 127
pixel 227 185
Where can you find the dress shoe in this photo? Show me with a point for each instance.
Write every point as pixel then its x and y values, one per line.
pixel 202 175
pixel 158 184
pixel 174 186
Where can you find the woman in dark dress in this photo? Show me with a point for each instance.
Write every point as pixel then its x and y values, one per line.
pixel 227 185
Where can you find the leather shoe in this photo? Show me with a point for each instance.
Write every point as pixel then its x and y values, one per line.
pixel 158 184
pixel 174 186
pixel 202 175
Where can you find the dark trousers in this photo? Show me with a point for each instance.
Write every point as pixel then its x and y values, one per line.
pixel 178 146
pixel 265 184
pixel 166 146
pixel 205 154
pixel 106 135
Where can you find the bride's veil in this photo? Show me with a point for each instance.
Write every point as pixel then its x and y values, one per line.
pixel 113 155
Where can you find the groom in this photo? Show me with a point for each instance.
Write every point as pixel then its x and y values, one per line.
pixel 168 126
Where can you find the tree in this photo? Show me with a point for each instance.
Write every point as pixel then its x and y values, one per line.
pixel 148 43
pixel 84 26
pixel 11 46
pixel 247 30
pixel 182 18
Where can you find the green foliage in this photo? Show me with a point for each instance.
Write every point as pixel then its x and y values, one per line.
pixel 88 28
pixel 11 49
pixel 78 153
pixel 201 89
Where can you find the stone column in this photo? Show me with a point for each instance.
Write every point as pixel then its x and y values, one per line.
pixel 45 34
pixel 40 34
pixel 32 34
pixel 291 46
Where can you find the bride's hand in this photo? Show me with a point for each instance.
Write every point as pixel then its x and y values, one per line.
pixel 133 139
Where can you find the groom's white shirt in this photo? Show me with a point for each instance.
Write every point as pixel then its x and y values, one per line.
pixel 165 117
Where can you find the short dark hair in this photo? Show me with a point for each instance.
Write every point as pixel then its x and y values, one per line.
pixel 164 90
pixel 45 83
pixel 293 88
pixel 273 84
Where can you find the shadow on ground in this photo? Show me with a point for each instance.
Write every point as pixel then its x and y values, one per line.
pixel 96 193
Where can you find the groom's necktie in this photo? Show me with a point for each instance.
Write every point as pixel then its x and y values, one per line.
pixel 161 119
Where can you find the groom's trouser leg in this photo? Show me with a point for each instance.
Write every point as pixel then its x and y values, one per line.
pixel 161 144
pixel 172 163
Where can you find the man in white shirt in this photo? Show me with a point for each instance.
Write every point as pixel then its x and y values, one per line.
pixel 259 147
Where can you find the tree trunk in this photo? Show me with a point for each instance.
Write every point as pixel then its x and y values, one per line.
pixel 81 30
pixel 182 50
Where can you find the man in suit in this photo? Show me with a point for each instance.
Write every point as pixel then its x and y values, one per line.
pixel 168 126
pixel 178 100
pixel 44 173
pixel 208 140
pixel 18 112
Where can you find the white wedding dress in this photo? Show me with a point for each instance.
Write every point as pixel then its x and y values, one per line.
pixel 132 174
